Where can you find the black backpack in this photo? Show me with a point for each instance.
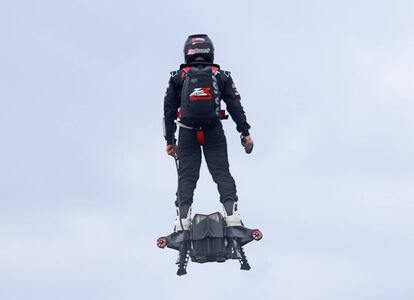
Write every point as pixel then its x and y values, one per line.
pixel 200 95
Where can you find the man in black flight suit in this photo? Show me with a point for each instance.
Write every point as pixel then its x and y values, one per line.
pixel 192 102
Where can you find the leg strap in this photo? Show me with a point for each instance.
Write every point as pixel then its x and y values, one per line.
pixel 200 136
pixel 200 131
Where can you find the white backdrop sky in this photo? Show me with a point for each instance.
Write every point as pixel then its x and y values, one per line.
pixel 85 186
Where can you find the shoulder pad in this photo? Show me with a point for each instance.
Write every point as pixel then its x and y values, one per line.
pixel 174 73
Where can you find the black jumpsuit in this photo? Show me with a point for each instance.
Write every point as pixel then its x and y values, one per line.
pixel 215 145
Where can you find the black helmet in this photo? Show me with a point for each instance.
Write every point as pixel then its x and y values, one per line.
pixel 198 45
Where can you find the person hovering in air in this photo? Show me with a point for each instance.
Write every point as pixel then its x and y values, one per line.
pixel 192 102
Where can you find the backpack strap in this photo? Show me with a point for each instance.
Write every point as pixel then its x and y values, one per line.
pixel 184 72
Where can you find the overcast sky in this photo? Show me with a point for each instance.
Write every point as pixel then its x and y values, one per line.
pixel 86 188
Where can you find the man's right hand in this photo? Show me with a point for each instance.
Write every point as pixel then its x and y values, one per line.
pixel 172 150
pixel 247 143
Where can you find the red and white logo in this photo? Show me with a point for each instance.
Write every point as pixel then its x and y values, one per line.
pixel 195 41
pixel 198 51
pixel 201 94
